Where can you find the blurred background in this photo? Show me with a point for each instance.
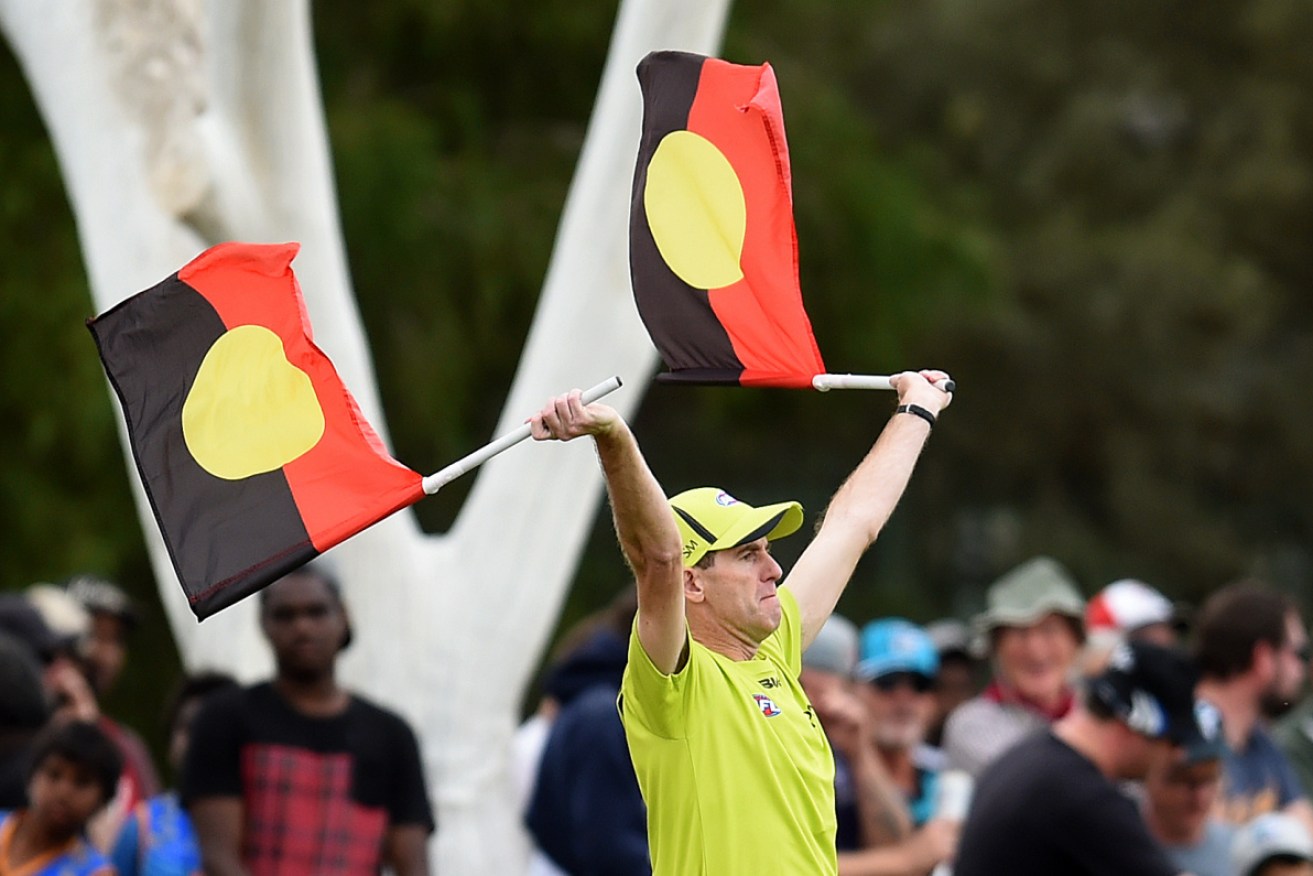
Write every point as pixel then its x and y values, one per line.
pixel 1095 215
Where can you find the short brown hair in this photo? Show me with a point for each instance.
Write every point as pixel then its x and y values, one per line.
pixel 1235 619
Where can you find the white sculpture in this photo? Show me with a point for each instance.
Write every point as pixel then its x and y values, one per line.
pixel 180 123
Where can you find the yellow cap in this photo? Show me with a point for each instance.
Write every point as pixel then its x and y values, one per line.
pixel 710 519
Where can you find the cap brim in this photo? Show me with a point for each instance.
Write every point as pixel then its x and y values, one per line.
pixel 1182 730
pixel 871 670
pixel 768 521
pixel 1204 750
pixel 988 621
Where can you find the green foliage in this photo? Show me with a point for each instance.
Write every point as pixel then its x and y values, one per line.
pixel 1144 174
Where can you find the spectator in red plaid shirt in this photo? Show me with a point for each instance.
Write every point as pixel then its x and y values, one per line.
pixel 297 775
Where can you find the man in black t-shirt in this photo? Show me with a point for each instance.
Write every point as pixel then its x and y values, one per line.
pixel 298 775
pixel 1051 804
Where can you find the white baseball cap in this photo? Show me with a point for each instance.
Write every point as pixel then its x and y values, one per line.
pixel 1127 605
pixel 1269 836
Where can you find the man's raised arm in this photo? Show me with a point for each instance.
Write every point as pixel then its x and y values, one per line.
pixel 860 508
pixel 643 520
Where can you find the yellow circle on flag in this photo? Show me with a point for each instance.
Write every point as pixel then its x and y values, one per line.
pixel 696 210
pixel 250 410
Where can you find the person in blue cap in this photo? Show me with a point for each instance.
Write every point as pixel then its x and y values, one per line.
pixel 895 674
pixel 898 665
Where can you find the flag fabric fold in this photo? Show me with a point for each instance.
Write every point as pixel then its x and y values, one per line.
pixel 253 454
pixel 713 250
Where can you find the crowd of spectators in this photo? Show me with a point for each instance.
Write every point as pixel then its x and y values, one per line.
pixel 1123 735
pixel 296 775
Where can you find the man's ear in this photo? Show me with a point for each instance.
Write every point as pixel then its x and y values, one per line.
pixel 693 589
pixel 1263 662
pixel 349 635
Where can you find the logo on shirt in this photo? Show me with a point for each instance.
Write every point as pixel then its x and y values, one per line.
pixel 767 706
pixel 770 682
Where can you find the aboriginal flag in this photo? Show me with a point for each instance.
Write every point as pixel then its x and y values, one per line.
pixel 253 454
pixel 713 251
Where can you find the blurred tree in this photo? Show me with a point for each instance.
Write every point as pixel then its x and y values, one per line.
pixel 1145 177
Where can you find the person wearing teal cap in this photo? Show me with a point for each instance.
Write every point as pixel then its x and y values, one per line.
pixel 896 672
pixel 898 664
pixel 730 755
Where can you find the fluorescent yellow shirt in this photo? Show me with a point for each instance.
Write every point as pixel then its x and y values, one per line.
pixel 732 761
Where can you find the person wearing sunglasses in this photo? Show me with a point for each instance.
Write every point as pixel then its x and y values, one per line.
pixel 895 678
pixel 1252 651
pixel 897 667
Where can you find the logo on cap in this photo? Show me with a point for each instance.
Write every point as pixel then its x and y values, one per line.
pixel 1208 719
pixel 1122 658
pixel 905 642
pixel 1146 715
pixel 723 498
pixel 767 706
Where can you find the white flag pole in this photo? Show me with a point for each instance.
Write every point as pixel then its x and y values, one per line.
pixel 439 479
pixel 827 382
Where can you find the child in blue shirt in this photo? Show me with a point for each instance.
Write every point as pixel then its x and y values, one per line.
pixel 158 839
pixel 75 772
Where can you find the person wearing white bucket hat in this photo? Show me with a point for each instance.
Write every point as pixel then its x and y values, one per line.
pixel 1032 631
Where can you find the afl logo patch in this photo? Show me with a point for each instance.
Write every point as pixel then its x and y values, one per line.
pixel 767 706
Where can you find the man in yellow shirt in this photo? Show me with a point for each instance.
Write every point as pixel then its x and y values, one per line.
pixel 732 761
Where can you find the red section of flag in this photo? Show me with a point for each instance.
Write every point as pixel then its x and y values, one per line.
pixel 347 481
pixel 738 109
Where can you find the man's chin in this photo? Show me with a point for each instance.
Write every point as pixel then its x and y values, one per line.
pixel 770 622
pixel 1040 688
pixel 304 672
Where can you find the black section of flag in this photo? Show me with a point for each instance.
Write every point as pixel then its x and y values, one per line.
pixel 679 318
pixel 227 538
